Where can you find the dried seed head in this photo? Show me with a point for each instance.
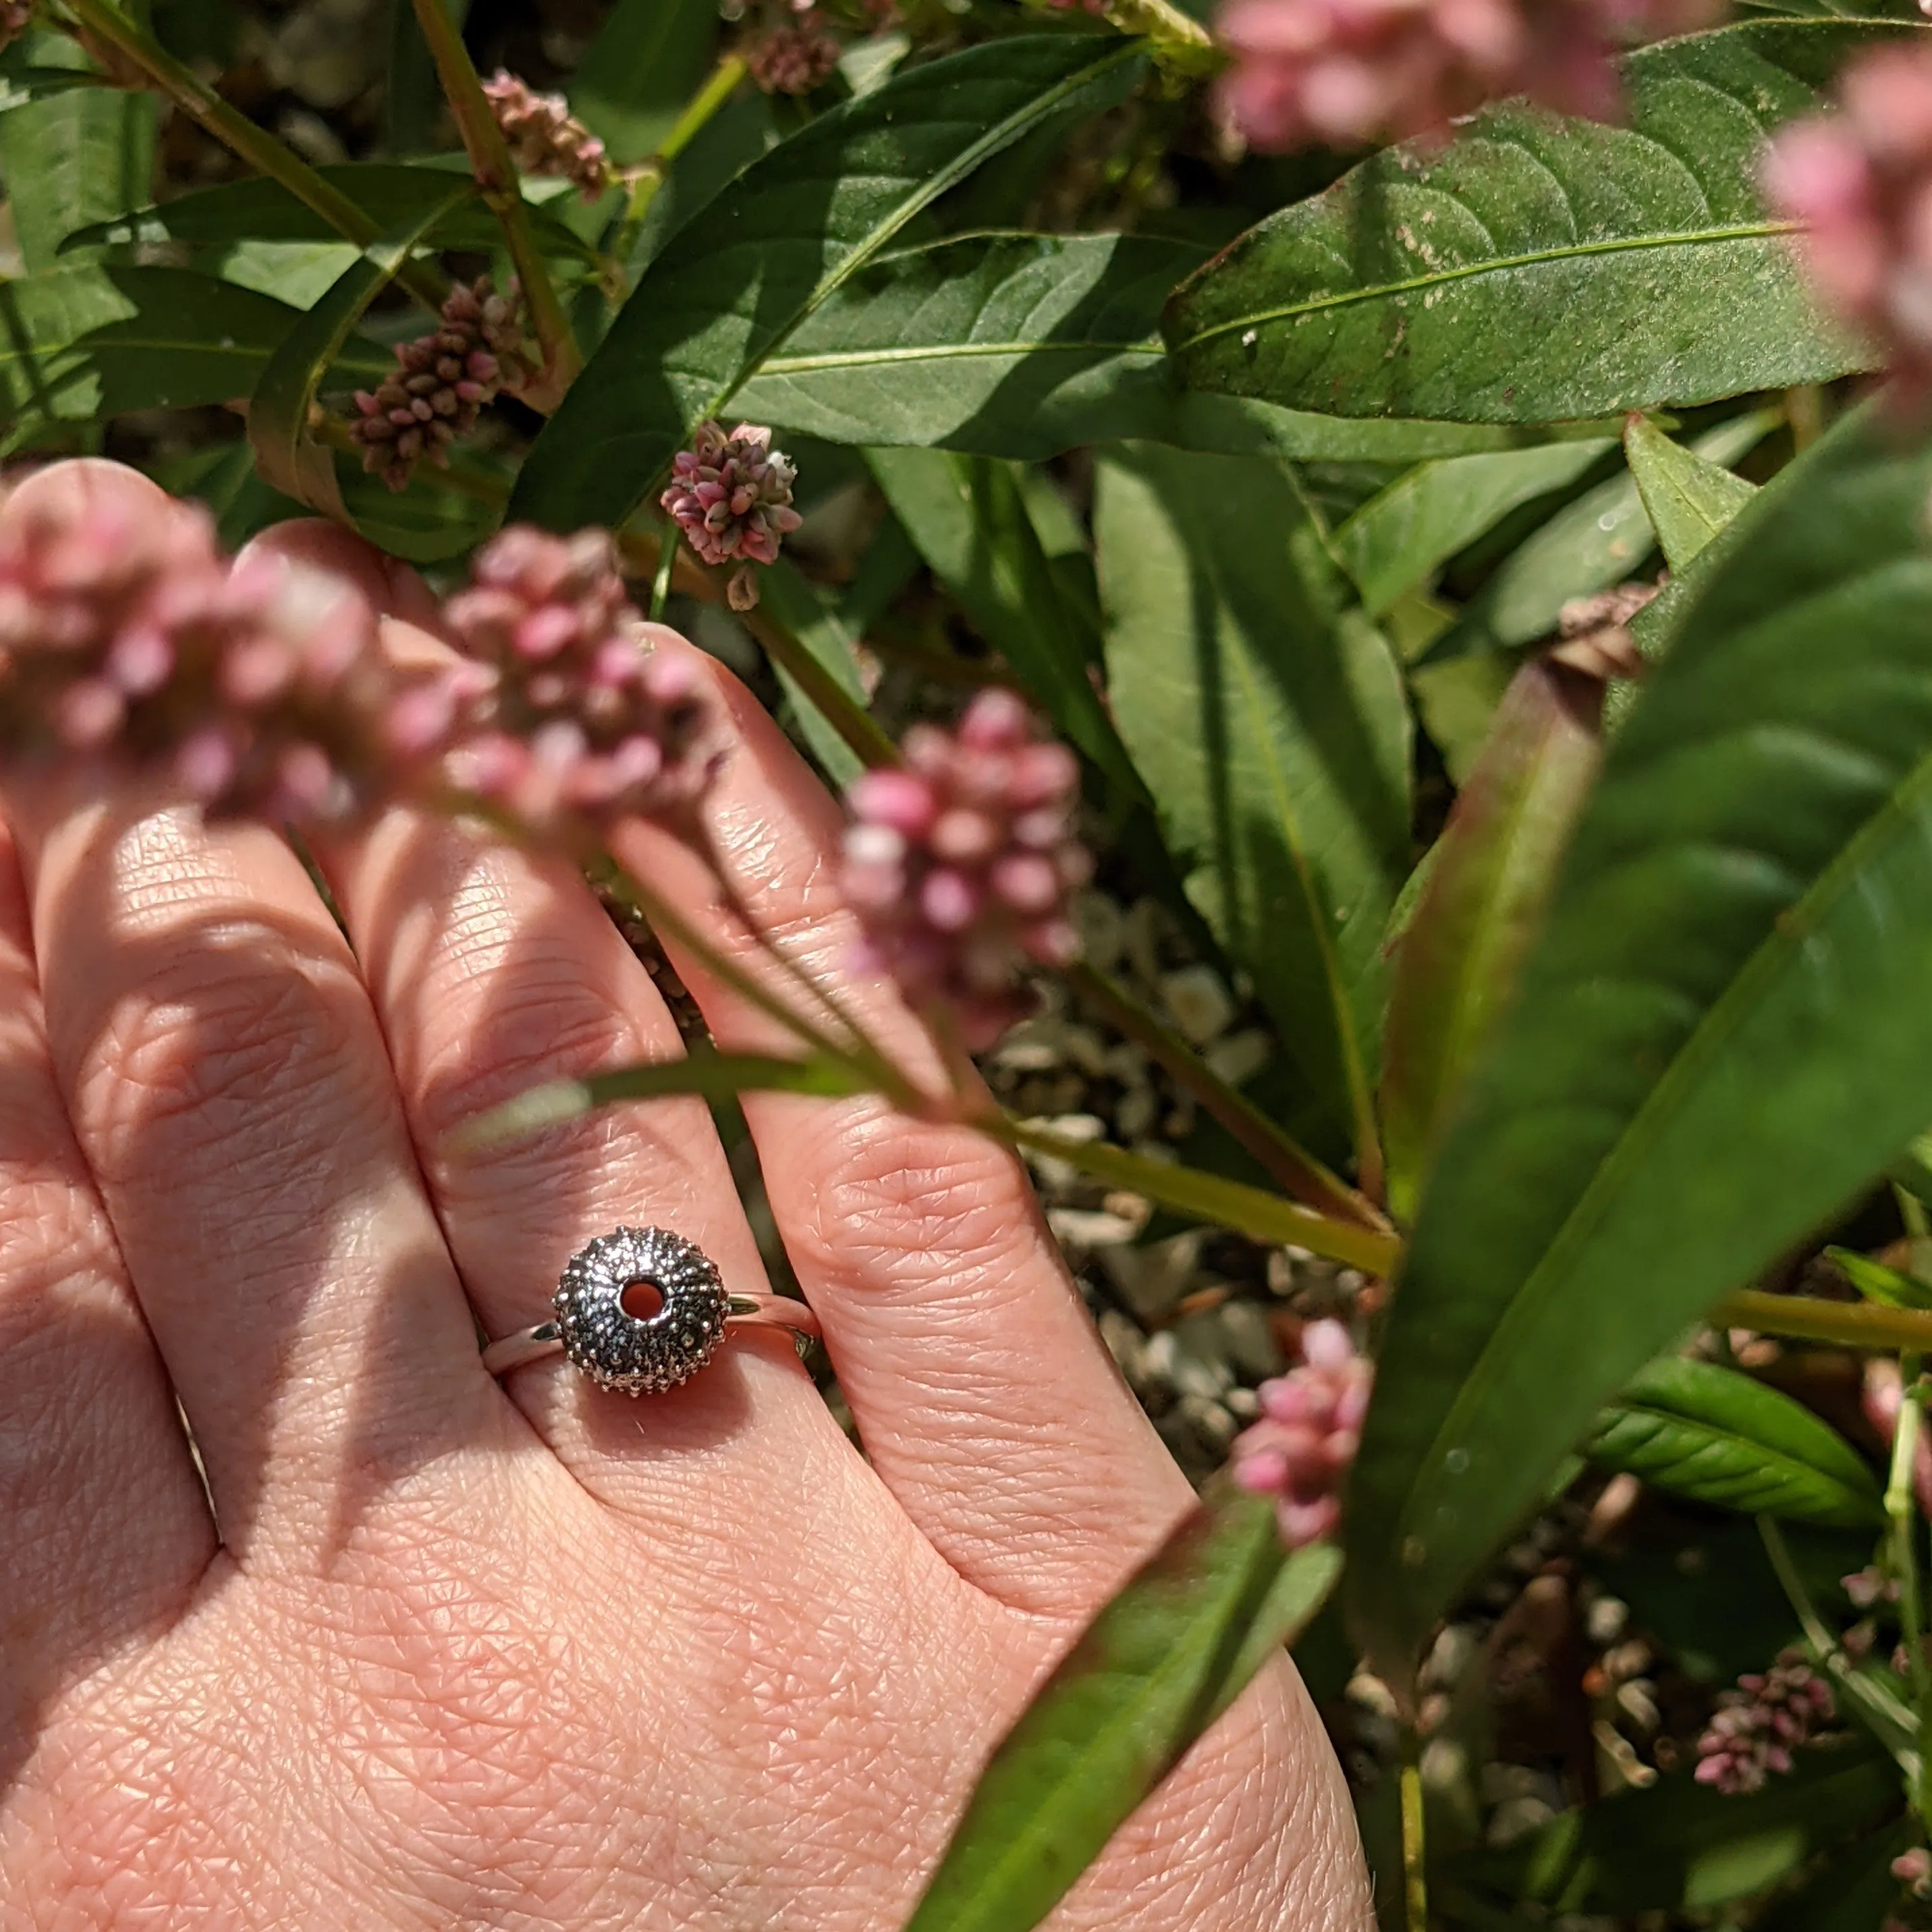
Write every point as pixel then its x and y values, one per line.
pixel 572 713
pixel 441 381
pixel 960 864
pixel 545 138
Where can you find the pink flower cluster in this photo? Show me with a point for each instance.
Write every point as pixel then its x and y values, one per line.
pixel 1861 183
pixel 441 380
pixel 1341 72
pixel 1300 1450
pixel 1757 1727
pixel 793 58
pixel 731 496
pixel 257 687
pixel 545 138
pixel 1913 1870
pixel 15 17
pixel 567 711
pixel 960 864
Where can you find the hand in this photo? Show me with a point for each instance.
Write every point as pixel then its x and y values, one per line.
pixel 433 1652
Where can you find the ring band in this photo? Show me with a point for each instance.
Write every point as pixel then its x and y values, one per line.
pixel 643 1354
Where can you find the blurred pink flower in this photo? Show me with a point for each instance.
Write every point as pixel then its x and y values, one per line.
pixel 1301 1451
pixel 569 711
pixel 1860 182
pixel 793 58
pixel 1757 1727
pixel 960 864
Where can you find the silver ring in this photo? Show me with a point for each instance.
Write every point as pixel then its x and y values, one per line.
pixel 643 1354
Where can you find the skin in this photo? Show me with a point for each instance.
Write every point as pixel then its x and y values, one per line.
pixel 445 1652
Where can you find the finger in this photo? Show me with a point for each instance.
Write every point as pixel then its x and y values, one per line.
pixel 107 1531
pixel 979 1384
pixel 493 970
pixel 228 1088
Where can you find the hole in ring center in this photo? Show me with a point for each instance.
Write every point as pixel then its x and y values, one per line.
pixel 641 1299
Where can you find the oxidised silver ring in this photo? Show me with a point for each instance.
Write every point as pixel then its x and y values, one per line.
pixel 643 1354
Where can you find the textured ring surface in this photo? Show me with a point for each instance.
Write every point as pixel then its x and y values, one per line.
pixel 640 1355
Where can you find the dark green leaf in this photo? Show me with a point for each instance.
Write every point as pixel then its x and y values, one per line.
pixel 1155 1668
pixel 1538 268
pixel 1721 1034
pixel 648 57
pixel 414 113
pixel 1489 882
pixel 735 286
pixel 1007 345
pixel 1680 1846
pixel 967 517
pixel 797 603
pixel 73 158
pixel 1718 1437
pixel 1394 543
pixel 1265 713
pixel 85 342
pixel 1853 1893
pixel 394 197
pixel 1588 545
pixel 288 457
pixel 20 85
pixel 1688 498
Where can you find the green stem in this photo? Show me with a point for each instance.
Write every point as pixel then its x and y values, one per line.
pixel 1290 1165
pixel 255 145
pixel 1205 1197
pixel 1900 1514
pixel 1895 1726
pixel 497 175
pixel 650 172
pixel 1851 1324
pixel 1414 1868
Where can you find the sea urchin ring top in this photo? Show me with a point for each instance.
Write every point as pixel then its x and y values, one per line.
pixel 643 1354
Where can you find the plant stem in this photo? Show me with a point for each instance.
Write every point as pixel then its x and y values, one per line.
pixel 1292 1166
pixel 497 175
pixel 1415 1868
pixel 255 145
pixel 1895 1727
pixel 1899 1513
pixel 1851 1324
pixel 1204 1197
pixel 649 173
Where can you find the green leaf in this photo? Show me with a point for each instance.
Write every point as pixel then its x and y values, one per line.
pixel 1539 267
pixel 1166 1656
pixel 734 287
pixel 1006 345
pixel 84 342
pixel 1680 1846
pixel 1876 1283
pixel 968 518
pixel 1854 1892
pixel 1265 713
pixel 394 197
pixel 649 55
pixel 797 603
pixel 1489 880
pixel 702 1070
pixel 1721 1034
pixel 20 85
pixel 288 457
pixel 413 110
pixel 1395 542
pixel 1688 498
pixel 1588 545
pixel 1718 1437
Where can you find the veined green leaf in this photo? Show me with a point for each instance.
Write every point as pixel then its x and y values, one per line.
pixel 1721 1034
pixel 1155 1668
pixel 647 59
pixel 1394 543
pixel 736 287
pixel 1588 545
pixel 394 196
pixel 1718 1437
pixel 1265 713
pixel 967 517
pixel 88 341
pixel 1688 498
pixel 1006 345
pixel 288 457
pixel 1539 267
pixel 1489 880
